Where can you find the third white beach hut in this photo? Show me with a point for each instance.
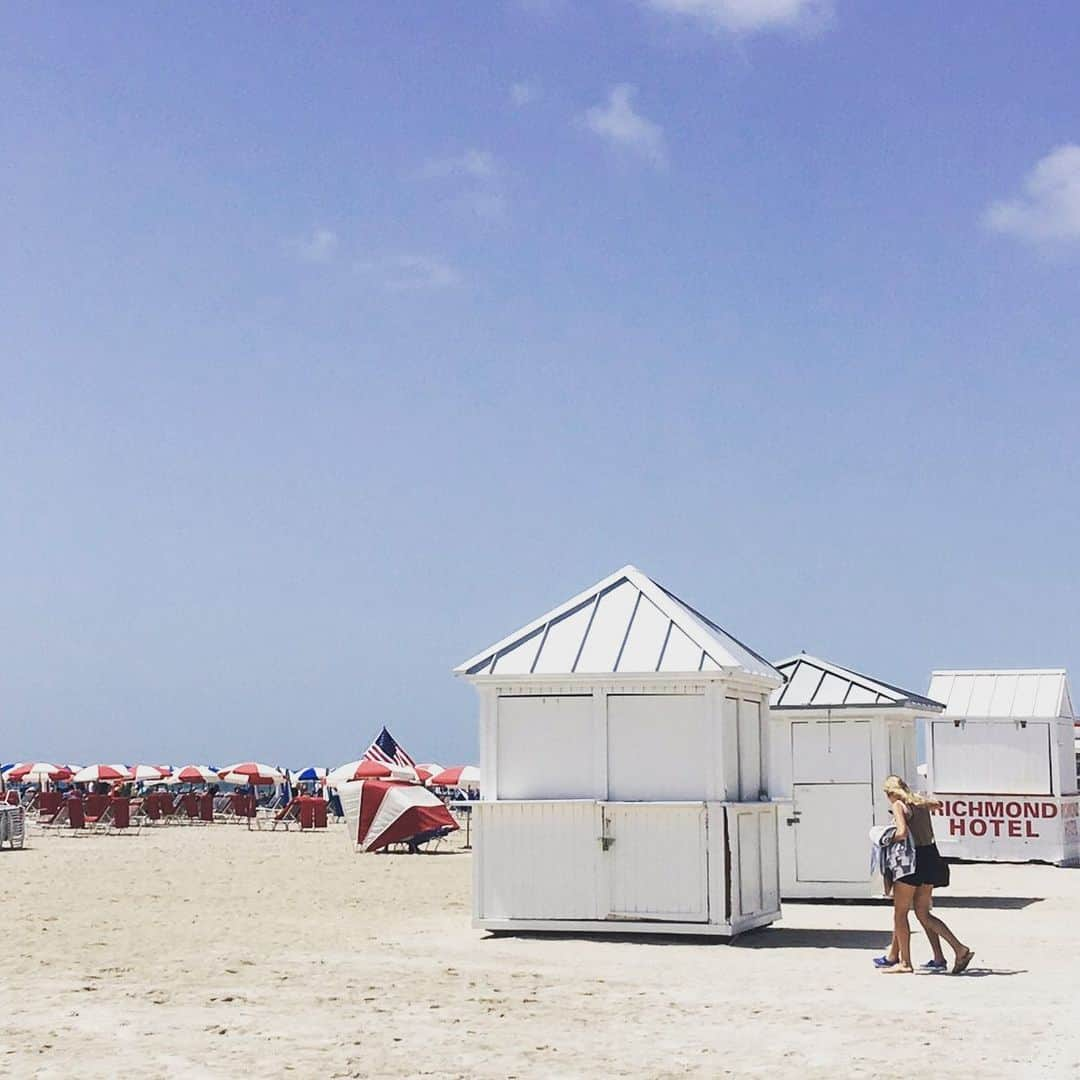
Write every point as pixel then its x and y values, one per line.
pixel 622 743
pixel 1002 759
pixel 836 735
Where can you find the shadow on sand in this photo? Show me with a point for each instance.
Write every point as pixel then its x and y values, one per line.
pixel 791 937
pixel 989 903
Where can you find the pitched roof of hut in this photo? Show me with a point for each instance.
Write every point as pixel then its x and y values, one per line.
pixel 626 623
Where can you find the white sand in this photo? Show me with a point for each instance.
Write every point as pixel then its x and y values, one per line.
pixel 219 952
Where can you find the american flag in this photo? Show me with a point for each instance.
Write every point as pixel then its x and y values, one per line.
pixel 386 750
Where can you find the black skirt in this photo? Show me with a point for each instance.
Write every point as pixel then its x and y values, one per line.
pixel 930 868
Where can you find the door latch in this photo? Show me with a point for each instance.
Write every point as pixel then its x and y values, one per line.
pixel 793 820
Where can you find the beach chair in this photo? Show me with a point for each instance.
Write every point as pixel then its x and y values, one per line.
pixel 94 808
pixel 428 841
pixel 59 819
pixel 71 814
pixel 118 816
pixel 312 812
pixel 48 802
pixel 12 824
pixel 287 815
pixel 206 808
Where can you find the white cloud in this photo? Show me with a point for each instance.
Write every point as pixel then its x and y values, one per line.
pixel 744 16
pixel 477 164
pixel 320 246
pixel 524 93
pixel 618 123
pixel 1050 207
pixel 406 273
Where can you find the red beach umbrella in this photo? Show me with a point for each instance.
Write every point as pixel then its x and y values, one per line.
pixel 251 772
pixel 195 774
pixel 102 773
pixel 37 770
pixel 366 769
pixel 150 772
pixel 457 776
pixel 380 813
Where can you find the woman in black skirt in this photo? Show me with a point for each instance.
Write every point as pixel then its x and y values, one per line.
pixel 911 814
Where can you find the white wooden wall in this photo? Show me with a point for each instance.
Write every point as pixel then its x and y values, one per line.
pixel 586 861
pixel 705 742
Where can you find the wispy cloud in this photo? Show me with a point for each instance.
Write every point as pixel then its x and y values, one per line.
pixel 474 183
pixel 408 273
pixel 617 122
pixel 1049 209
pixel 319 246
pixel 477 164
pixel 523 93
pixel 746 16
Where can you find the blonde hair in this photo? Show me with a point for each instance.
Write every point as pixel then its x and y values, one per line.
pixel 896 785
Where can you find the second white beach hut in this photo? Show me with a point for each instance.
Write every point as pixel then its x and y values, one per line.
pixel 623 737
pixel 836 735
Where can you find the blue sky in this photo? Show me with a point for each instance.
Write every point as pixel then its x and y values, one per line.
pixel 339 340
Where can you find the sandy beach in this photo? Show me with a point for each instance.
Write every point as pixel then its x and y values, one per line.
pixel 222 952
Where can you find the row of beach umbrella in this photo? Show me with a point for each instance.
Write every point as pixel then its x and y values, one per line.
pixel 245 772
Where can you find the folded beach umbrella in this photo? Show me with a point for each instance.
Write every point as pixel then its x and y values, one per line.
pixel 251 772
pixel 366 769
pixel 101 773
pixel 150 772
pixel 380 812
pixel 457 776
pixel 37 771
pixel 194 774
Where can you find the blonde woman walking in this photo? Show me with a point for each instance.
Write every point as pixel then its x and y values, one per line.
pixel 911 815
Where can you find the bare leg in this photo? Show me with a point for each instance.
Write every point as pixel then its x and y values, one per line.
pixel 923 903
pixel 934 925
pixel 903 899
pixel 891 952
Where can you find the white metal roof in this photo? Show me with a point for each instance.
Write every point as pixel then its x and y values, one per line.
pixel 816 683
pixel 1042 692
pixel 626 623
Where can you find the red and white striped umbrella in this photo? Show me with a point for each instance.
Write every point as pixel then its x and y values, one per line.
pixel 36 771
pixel 101 774
pixel 366 769
pixel 194 774
pixel 150 772
pixel 251 772
pixel 427 770
pixel 457 776
pixel 379 813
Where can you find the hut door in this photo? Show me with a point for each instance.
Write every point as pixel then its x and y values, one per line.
pixel 833 800
pixel 656 861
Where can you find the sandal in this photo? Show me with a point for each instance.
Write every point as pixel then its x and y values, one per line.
pixel 962 962
pixel 884 962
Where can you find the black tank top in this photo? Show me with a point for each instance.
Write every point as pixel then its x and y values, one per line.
pixel 920 824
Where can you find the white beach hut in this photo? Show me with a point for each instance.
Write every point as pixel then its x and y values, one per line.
pixel 622 742
pixel 1001 757
pixel 836 734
